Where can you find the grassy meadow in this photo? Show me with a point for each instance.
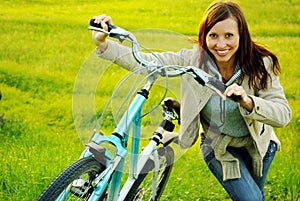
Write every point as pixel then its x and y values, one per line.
pixel 45 44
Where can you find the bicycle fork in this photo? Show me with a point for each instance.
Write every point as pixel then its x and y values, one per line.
pixel 149 152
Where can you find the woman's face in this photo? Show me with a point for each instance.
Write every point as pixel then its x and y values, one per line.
pixel 223 41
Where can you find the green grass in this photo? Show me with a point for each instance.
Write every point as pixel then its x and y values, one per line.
pixel 44 44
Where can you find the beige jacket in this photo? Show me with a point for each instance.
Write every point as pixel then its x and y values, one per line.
pixel 271 108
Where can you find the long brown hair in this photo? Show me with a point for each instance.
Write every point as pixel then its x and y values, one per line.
pixel 249 54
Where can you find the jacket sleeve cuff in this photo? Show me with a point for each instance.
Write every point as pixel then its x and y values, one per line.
pixel 247 113
pixel 108 54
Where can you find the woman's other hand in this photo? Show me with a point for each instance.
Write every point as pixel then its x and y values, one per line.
pixel 244 100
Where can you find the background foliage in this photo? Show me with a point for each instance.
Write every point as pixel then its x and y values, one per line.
pixel 44 44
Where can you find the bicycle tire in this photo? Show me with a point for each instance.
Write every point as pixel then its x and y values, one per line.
pixel 142 187
pixel 85 169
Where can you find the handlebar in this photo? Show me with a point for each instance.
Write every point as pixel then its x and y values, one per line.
pixel 199 75
pixel 121 35
pixel 109 26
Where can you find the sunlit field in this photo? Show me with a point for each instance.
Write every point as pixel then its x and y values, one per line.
pixel 45 44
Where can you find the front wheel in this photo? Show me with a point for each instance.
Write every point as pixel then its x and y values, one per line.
pixel 142 187
pixel 75 182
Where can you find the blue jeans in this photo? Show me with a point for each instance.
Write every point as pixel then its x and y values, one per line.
pixel 249 187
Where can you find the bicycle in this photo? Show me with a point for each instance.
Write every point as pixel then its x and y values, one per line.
pixel 97 174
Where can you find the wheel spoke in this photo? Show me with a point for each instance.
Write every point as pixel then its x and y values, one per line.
pixel 142 187
pixel 74 183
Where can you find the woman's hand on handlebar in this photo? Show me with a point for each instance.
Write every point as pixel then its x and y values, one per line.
pixel 99 38
pixel 245 100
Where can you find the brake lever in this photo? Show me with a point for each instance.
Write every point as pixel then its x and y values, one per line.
pixel 213 83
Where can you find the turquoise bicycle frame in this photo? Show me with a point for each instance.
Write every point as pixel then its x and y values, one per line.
pixel 114 165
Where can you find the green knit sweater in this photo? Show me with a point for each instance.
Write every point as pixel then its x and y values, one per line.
pixel 233 124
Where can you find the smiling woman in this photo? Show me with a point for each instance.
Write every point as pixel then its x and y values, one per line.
pixel 240 149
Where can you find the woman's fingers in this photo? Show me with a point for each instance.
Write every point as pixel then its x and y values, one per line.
pixel 236 90
pixel 103 19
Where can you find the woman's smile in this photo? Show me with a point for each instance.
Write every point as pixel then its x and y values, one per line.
pixel 222 53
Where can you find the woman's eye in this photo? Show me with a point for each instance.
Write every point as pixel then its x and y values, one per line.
pixel 212 35
pixel 229 35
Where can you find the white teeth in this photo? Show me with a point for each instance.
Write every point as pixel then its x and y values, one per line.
pixel 222 52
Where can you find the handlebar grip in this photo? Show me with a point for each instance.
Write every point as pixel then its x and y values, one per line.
pixel 217 84
pixel 110 26
pixel 235 98
pixel 222 87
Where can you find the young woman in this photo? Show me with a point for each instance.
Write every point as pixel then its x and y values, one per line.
pixel 238 150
